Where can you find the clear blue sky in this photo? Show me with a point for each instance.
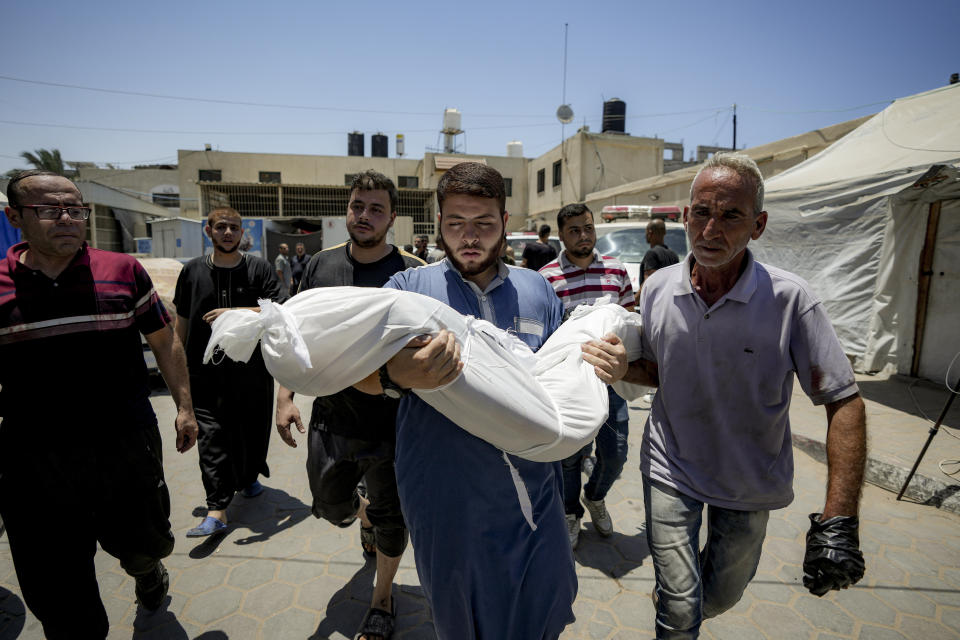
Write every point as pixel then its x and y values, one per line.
pixel 394 67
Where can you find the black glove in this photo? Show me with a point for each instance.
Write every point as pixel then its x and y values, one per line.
pixel 833 559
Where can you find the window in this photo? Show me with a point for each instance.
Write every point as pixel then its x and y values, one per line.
pixel 167 199
pixel 508 187
pixel 540 180
pixel 408 182
pixel 556 173
pixel 348 178
pixel 270 177
pixel 210 175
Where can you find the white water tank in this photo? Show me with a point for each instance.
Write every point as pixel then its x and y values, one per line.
pixel 514 149
pixel 400 147
pixel 451 120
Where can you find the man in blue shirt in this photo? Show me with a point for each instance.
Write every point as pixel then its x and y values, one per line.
pixel 487 528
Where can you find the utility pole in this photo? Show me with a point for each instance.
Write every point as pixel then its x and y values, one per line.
pixel 734 126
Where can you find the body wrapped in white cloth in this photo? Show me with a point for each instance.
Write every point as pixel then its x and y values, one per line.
pixel 541 406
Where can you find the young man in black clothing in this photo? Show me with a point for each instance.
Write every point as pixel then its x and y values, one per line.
pixel 232 400
pixel 539 253
pixel 298 262
pixel 659 255
pixel 352 434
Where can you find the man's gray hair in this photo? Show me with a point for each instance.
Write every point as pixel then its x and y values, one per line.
pixel 743 165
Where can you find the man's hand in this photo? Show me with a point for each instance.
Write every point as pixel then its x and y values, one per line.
pixel 210 316
pixel 186 426
pixel 833 559
pixel 608 357
pixel 287 413
pixel 426 362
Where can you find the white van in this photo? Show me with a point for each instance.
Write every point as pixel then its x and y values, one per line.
pixel 627 242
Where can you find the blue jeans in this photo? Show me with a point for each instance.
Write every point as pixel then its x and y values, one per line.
pixel 611 454
pixel 693 584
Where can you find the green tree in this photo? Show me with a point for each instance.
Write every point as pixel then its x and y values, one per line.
pixel 44 159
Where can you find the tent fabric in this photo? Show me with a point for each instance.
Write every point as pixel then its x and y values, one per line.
pixel 541 406
pixel 852 221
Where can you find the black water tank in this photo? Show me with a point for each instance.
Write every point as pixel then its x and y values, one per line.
pixel 378 145
pixel 355 144
pixel 614 116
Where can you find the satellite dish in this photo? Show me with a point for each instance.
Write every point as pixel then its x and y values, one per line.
pixel 565 114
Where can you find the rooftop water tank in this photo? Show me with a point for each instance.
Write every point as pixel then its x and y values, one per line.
pixel 614 116
pixel 355 144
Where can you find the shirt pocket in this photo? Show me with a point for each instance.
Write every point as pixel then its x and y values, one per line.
pixel 528 326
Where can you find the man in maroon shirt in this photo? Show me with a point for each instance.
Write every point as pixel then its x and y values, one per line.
pixel 80 451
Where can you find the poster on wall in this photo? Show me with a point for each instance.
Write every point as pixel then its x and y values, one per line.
pixel 251 243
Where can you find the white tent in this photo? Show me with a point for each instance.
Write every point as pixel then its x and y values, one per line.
pixel 873 223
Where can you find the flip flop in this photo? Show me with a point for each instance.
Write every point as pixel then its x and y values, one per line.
pixel 208 527
pixel 378 622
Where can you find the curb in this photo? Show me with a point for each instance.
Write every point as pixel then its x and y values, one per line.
pixel 887 475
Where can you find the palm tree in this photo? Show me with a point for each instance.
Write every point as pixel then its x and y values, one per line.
pixel 45 159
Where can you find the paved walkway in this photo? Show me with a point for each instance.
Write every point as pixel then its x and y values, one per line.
pixel 281 574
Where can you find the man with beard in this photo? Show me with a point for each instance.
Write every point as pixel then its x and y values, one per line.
pixel 580 275
pixel 420 248
pixel 352 433
pixel 232 400
pixel 487 527
pixel 80 451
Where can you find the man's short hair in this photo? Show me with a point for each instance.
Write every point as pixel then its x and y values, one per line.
pixel 743 165
pixel 423 237
pixel 300 244
pixel 15 190
pixel 571 211
pixel 473 179
pixel 371 180
pixel 229 212
pixel 544 230
pixel 657 226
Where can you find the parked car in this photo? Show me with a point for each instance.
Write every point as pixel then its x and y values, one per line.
pixel 627 242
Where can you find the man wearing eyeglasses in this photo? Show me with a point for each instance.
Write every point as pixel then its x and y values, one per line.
pixel 80 451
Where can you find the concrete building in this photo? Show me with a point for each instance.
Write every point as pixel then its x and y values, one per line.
pixel 588 162
pixel 673 189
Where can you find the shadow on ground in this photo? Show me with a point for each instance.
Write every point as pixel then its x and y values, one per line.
pixel 12 615
pixel 268 514
pixel 615 556
pixel 915 396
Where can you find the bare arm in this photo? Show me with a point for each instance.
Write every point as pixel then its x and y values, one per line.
pixel 213 314
pixel 644 372
pixel 167 347
pixel 287 414
pixel 846 456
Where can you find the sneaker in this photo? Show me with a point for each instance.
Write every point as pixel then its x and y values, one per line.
pixel 152 587
pixel 573 529
pixel 598 514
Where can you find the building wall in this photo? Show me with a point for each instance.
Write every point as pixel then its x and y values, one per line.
pixel 593 161
pixel 139 183
pixel 294 169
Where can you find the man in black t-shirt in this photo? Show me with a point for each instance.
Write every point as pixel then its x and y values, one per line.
pixel 353 434
pixel 659 255
pixel 232 400
pixel 539 253
pixel 298 262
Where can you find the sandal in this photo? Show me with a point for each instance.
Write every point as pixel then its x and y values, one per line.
pixel 368 540
pixel 378 622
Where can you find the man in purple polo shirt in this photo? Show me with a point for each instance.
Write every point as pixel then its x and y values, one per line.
pixel 723 337
pixel 80 452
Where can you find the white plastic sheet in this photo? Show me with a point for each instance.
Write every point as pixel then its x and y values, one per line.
pixel 542 406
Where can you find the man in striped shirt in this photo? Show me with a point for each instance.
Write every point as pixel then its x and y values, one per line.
pixel 80 451
pixel 580 275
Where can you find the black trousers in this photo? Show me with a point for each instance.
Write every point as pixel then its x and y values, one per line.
pixel 335 465
pixel 233 404
pixel 59 497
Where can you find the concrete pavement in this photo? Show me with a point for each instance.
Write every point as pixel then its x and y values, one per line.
pixel 280 573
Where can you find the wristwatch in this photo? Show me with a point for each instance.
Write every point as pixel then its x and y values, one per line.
pixel 390 388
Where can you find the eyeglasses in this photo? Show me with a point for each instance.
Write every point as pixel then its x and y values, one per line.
pixel 52 212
